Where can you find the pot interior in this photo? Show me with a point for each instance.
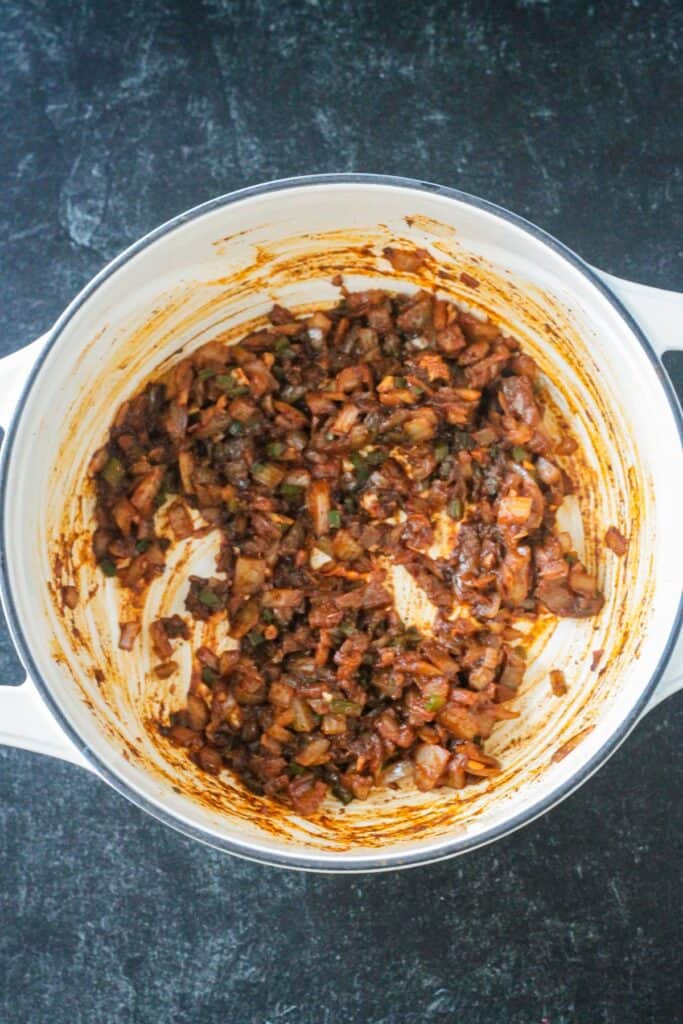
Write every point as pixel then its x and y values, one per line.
pixel 215 274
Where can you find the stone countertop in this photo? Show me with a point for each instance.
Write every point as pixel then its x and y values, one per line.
pixel 117 116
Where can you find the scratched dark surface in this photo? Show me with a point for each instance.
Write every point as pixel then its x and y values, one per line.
pixel 116 116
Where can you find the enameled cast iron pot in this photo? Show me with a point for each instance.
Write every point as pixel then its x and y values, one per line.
pixel 212 270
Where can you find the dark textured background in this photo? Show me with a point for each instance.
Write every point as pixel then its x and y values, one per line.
pixel 116 116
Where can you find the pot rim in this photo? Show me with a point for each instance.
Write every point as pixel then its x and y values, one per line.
pixel 332 862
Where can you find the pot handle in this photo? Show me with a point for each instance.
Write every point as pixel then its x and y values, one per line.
pixel 25 720
pixel 660 314
pixel 15 370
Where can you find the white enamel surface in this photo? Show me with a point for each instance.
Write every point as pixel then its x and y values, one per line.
pixel 14 371
pixel 186 264
pixel 26 722
pixel 659 312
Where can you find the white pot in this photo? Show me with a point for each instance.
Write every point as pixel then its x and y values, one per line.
pixel 216 267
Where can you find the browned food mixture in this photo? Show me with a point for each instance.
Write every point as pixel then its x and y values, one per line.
pixel 323 449
pixel 596 659
pixel 558 683
pixel 616 541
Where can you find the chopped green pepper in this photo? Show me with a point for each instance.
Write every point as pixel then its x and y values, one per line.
pixel 411 638
pixel 108 567
pixel 519 454
pixel 209 675
pixel 255 638
pixel 234 506
pixel 208 598
pixel 143 545
pixel 113 472
pixel 275 449
pixel 206 374
pixel 462 441
pixel 292 492
pixel 435 702
pixel 334 518
pixel 361 468
pixel 296 769
pixel 162 493
pixel 454 508
pixel 281 345
pixel 226 382
pixel 345 707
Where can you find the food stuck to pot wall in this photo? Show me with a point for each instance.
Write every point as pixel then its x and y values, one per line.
pixel 387 442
